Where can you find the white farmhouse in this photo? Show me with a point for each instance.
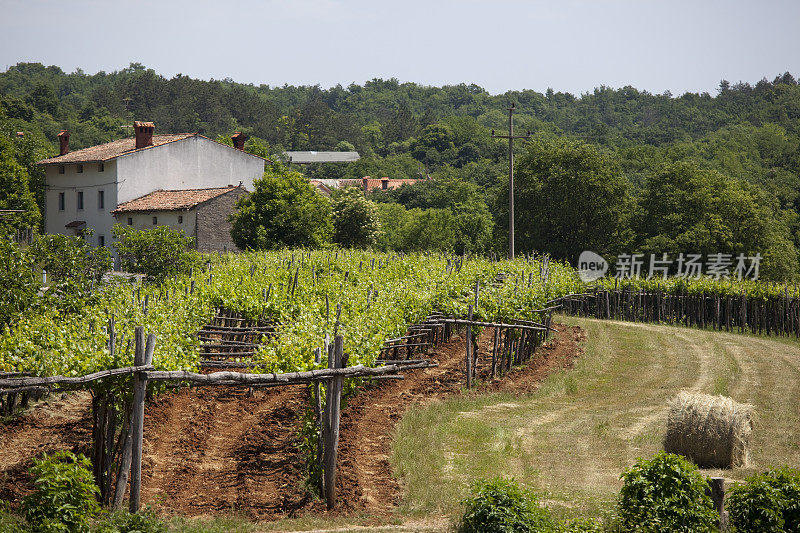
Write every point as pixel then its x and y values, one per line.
pixel 84 188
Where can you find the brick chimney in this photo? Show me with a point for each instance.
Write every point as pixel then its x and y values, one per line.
pixel 63 142
pixel 144 133
pixel 238 140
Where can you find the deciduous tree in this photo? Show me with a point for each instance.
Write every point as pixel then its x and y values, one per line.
pixel 283 210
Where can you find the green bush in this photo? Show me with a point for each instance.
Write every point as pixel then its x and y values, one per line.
pixel 500 505
pixel 159 253
pixel 284 210
pixel 666 493
pixel 65 495
pixel 10 521
pixel 146 521
pixel 766 502
pixel 65 257
pixel 355 219
pixel 73 267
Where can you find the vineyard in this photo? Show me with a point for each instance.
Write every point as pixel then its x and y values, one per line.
pixel 719 304
pixel 329 321
pixel 292 317
pixel 367 297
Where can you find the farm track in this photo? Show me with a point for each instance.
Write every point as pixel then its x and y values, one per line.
pixel 212 451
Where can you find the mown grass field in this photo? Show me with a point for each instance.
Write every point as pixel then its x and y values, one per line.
pixel 570 440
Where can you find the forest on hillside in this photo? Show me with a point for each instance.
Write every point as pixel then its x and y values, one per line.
pixel 613 170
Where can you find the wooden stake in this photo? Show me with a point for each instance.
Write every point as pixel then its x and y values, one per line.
pixel 319 418
pixel 332 413
pixel 141 358
pixel 468 344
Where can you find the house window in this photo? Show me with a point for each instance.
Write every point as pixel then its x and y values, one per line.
pixel 101 200
pixel 155 221
pixel 180 219
pixel 61 169
pixel 101 240
pixel 384 184
pixel 130 221
pixel 61 201
pixel 80 199
pixel 101 167
pixel 80 169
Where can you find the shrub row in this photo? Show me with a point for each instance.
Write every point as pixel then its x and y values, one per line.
pixel 665 493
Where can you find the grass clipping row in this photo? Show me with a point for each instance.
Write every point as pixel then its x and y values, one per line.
pixel 711 431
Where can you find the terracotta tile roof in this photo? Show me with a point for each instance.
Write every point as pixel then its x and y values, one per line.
pixel 107 151
pixel 172 200
pixel 370 184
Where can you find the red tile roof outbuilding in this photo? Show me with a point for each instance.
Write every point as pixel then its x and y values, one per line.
pixel 172 200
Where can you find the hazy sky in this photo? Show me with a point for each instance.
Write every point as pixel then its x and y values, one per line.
pixel 569 45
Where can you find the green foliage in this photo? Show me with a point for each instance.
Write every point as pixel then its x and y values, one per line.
pixel 9 521
pixel 569 197
pixel 159 253
pixel 18 282
pixel 399 166
pixel 766 502
pixel 145 521
pixel 309 446
pixel 73 267
pixel 65 494
pixel 283 210
pixel 381 296
pixel 686 208
pixel 65 257
pixel 428 229
pixel 392 217
pixel 467 228
pixel 355 219
pixel 15 191
pixel 501 506
pixel 746 133
pixel 666 493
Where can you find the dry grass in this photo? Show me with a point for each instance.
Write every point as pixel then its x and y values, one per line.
pixel 571 440
pixel 712 431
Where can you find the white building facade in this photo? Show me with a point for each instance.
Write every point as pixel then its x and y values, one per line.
pixel 84 187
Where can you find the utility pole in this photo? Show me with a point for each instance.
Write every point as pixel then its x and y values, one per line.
pixel 511 138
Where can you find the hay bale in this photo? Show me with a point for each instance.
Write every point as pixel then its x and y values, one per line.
pixel 712 431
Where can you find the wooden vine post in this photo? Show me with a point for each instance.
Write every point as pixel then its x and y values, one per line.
pixel 468 344
pixel 333 399
pixel 318 416
pixel 142 357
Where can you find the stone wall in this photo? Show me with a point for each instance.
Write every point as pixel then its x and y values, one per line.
pixel 213 228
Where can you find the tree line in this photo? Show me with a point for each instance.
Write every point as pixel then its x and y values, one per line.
pixel 612 170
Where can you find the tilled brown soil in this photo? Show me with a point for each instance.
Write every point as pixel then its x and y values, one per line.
pixel 211 451
pixel 61 422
